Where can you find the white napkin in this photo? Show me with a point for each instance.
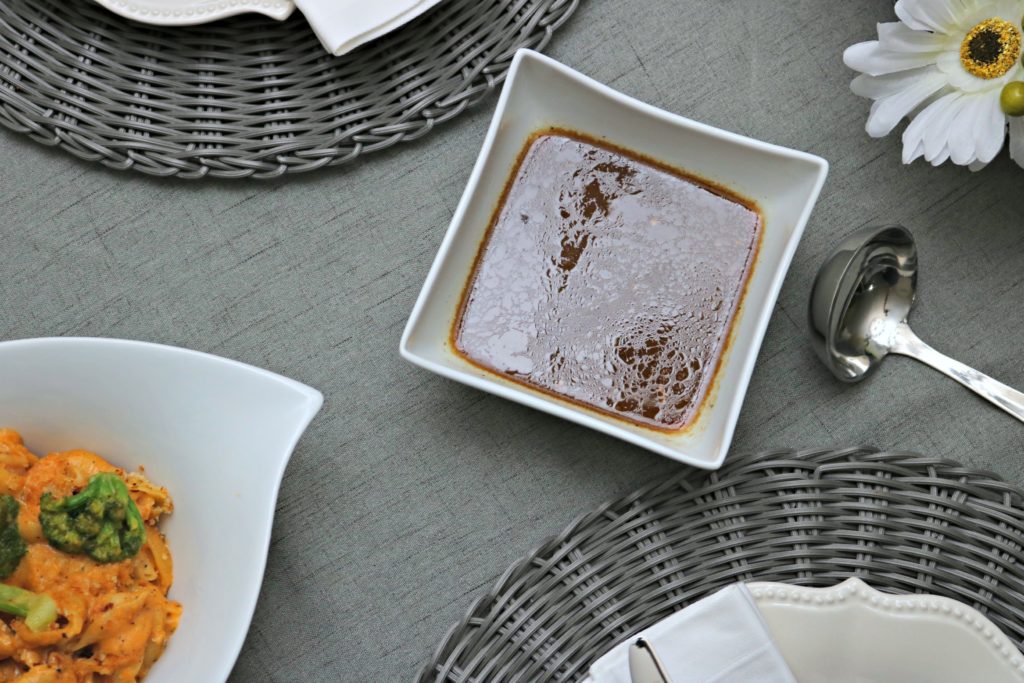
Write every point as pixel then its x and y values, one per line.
pixel 721 639
pixel 344 25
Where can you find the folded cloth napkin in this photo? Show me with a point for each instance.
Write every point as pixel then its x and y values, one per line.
pixel 721 639
pixel 344 25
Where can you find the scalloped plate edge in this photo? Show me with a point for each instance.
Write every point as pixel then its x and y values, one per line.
pixel 852 632
pixel 191 12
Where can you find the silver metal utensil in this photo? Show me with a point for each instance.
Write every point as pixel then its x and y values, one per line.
pixel 644 666
pixel 859 307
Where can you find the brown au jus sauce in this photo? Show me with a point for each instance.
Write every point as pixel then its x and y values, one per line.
pixel 608 279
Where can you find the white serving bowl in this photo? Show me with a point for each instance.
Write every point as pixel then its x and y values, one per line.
pixel 216 433
pixel 541 93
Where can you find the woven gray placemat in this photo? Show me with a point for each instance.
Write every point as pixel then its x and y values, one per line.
pixel 248 96
pixel 904 523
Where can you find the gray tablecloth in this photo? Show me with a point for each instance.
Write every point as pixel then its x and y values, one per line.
pixel 410 494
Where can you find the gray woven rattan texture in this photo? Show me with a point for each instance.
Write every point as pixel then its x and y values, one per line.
pixel 903 522
pixel 248 96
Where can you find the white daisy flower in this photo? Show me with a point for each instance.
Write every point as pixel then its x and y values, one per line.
pixel 953 67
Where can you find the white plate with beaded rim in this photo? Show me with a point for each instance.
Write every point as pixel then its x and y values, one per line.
pixel 851 633
pixel 190 12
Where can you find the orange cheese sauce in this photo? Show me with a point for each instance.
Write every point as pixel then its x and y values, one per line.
pixel 114 619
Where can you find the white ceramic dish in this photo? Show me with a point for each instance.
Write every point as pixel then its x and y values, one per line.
pixel 190 12
pixel 216 433
pixel 541 93
pixel 341 27
pixel 851 633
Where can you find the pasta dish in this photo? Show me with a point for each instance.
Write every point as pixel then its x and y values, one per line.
pixel 84 570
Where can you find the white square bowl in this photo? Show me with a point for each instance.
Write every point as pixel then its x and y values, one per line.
pixel 218 434
pixel 541 93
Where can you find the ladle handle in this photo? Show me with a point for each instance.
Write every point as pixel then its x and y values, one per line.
pixel 907 343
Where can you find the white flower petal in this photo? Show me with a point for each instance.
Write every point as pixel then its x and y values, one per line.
pixel 977 166
pixel 871 59
pixel 976 12
pixel 913 136
pixel 940 158
pixel 910 155
pixel 949 63
pixel 960 138
pixel 889 111
pixel 899 37
pixel 1010 10
pixel 877 87
pixel 1017 139
pixel 917 135
pixel 940 16
pixel 990 128
pixel 937 137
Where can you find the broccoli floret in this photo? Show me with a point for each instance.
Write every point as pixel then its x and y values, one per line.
pixel 38 610
pixel 101 521
pixel 12 545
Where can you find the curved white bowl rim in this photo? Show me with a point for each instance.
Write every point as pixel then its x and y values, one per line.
pixel 216 432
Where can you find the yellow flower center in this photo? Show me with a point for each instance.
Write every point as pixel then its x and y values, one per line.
pixel 991 48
